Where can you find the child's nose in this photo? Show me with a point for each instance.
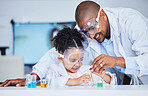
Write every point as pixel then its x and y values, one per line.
pixel 78 63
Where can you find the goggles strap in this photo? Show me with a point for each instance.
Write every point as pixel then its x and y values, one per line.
pixel 97 19
pixel 75 43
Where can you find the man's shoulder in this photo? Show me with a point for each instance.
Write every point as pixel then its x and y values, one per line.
pixel 121 11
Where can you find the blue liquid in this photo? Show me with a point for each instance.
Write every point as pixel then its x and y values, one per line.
pixel 31 85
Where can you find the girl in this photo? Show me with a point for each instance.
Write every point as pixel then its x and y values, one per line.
pixel 70 44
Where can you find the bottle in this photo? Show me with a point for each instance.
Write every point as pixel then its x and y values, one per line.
pixel 43 83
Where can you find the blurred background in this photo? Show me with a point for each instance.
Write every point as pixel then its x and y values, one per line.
pixel 27 26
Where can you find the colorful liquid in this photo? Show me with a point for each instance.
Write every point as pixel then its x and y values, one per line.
pixel 99 84
pixel 43 85
pixel 31 85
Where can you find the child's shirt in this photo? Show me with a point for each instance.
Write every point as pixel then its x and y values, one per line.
pixel 73 75
pixel 61 76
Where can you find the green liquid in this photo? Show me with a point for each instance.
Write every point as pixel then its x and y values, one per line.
pixel 99 84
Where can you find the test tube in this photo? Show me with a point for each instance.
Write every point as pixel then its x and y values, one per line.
pixel 91 83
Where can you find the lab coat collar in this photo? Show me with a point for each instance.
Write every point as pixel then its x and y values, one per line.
pixel 113 21
pixel 95 45
pixel 106 41
pixel 115 31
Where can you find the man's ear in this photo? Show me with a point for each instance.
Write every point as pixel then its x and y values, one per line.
pixel 60 59
pixel 103 15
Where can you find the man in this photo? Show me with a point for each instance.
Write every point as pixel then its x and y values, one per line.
pixel 123 34
pixel 107 30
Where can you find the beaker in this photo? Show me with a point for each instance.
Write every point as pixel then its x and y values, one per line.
pixel 31 81
pixel 100 82
pixel 91 82
pixel 51 78
pixel 134 80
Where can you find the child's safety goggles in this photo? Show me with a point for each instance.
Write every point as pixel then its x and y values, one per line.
pixel 75 55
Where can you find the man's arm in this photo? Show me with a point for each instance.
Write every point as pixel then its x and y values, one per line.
pixel 137 30
pixel 16 82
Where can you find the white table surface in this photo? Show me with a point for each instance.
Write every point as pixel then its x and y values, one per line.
pixel 120 90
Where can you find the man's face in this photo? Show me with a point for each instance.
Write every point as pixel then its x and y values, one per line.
pixel 92 30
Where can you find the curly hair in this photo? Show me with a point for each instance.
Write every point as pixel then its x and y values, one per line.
pixel 65 37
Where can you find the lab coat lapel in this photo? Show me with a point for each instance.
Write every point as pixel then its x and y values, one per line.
pixel 115 30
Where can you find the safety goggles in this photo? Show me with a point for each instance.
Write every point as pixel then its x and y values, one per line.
pixel 76 55
pixel 92 26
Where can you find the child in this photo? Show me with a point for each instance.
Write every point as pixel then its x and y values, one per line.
pixel 70 72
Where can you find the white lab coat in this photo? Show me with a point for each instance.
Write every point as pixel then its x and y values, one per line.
pixel 45 62
pixel 130 40
pixel 61 77
pixel 129 29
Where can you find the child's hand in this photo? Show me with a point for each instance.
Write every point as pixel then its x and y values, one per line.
pixel 77 81
pixel 104 76
pixel 100 74
pixel 83 79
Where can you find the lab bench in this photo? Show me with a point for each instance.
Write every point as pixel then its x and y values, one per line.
pixel 120 90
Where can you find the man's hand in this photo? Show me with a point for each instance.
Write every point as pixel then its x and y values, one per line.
pixel 103 61
pixel 14 82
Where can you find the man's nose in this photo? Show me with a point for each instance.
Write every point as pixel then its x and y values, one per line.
pixel 92 36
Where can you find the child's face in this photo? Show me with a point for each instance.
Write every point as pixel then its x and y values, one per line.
pixel 73 60
pixel 73 67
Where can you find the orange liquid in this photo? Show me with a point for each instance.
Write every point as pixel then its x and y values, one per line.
pixel 43 85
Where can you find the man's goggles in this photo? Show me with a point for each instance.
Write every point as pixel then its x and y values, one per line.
pixel 92 26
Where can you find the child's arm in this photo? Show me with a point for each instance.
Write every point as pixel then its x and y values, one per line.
pixel 104 76
pixel 77 81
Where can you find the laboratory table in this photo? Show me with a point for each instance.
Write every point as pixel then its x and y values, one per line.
pixel 120 90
